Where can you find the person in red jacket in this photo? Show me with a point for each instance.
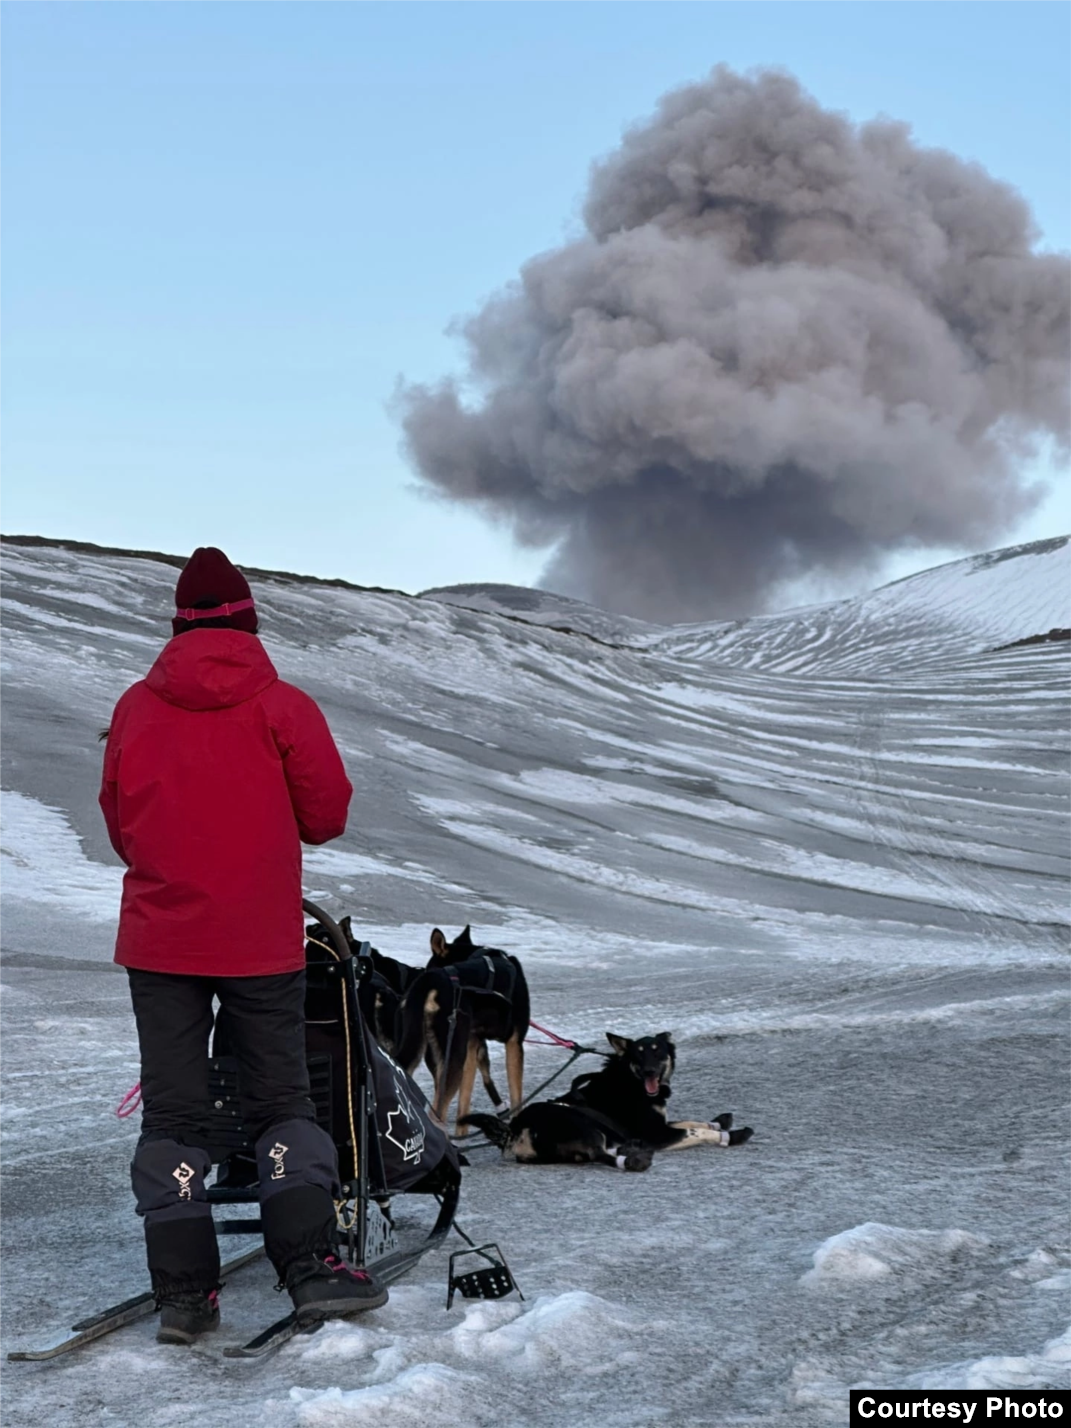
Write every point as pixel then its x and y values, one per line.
pixel 215 772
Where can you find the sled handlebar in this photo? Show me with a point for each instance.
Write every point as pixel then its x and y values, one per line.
pixel 363 967
pixel 337 936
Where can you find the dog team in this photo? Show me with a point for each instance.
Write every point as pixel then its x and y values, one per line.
pixel 445 1013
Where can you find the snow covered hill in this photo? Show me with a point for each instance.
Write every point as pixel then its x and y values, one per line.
pixel 828 849
pixel 967 606
pixel 541 607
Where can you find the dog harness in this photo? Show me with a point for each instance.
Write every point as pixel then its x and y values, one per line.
pixel 489 973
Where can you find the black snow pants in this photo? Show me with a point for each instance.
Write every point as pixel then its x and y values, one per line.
pixel 296 1159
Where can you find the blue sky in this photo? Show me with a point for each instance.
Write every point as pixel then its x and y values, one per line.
pixel 229 228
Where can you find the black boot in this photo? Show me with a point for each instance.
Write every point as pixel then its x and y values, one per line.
pixel 185 1315
pixel 183 1257
pixel 328 1288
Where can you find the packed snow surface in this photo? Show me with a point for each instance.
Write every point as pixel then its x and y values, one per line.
pixel 827 849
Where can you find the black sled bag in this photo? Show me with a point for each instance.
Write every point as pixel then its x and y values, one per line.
pixel 408 1145
pixel 407 1151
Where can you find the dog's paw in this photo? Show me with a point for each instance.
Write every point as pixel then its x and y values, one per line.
pixel 722 1122
pixel 635 1157
pixel 741 1137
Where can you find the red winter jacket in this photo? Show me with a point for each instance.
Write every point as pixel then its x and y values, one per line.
pixel 214 774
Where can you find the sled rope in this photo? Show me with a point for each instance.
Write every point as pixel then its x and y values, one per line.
pixel 577 1051
pixel 340 1205
pixel 555 1039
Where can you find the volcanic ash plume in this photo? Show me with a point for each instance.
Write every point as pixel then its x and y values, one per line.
pixel 787 346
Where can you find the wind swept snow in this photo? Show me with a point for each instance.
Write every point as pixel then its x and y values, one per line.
pixel 964 607
pixel 42 861
pixel 828 850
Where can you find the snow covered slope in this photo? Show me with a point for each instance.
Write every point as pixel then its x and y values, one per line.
pixel 827 849
pixel 967 606
pixel 924 620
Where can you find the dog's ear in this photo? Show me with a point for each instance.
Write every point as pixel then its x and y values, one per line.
pixel 668 1036
pixel 463 938
pixel 346 926
pixel 438 943
pixel 620 1044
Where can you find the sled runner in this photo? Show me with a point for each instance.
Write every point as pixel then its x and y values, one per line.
pixel 388 1144
pixel 119 1315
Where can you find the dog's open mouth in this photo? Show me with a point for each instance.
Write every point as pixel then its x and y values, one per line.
pixel 652 1085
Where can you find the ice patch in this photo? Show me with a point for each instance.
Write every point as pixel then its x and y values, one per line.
pixel 874 1251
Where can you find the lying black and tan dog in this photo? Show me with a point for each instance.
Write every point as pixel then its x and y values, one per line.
pixel 466 996
pixel 616 1116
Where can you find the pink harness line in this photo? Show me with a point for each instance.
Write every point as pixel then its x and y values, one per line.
pixel 130 1102
pixel 555 1040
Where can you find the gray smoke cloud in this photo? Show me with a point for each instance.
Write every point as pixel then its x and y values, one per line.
pixel 787 346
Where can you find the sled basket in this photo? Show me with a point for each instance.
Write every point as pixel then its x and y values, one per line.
pixel 386 1140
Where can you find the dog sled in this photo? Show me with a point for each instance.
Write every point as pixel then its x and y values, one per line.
pixel 387 1142
pixel 388 1145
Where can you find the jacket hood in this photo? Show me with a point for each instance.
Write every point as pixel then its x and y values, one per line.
pixel 211 669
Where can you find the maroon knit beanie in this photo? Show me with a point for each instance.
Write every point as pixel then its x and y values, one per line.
pixel 208 591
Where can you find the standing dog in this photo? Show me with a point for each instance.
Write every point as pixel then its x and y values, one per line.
pixel 382 996
pixel 466 996
pixel 616 1116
